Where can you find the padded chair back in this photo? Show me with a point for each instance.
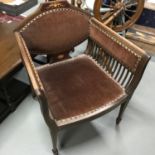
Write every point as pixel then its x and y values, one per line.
pixel 55 30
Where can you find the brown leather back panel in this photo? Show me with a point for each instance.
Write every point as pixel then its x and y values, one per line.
pixel 56 31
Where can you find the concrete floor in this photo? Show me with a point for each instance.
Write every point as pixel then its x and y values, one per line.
pixel 24 132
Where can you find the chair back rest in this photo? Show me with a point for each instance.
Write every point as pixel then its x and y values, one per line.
pixel 55 28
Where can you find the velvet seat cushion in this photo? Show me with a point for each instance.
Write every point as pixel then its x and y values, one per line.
pixel 78 87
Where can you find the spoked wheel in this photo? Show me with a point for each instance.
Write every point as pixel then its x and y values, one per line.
pixel 118 14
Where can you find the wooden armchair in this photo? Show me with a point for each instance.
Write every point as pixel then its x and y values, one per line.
pixel 85 87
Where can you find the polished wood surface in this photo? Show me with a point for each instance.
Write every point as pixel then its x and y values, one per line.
pixel 9 51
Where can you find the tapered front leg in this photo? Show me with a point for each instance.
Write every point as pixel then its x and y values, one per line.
pixel 121 111
pixel 54 136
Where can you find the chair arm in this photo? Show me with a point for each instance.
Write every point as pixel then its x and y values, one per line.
pixel 117 46
pixel 26 58
pixel 122 59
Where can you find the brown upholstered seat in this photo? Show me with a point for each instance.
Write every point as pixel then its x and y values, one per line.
pixel 74 90
pixel 68 86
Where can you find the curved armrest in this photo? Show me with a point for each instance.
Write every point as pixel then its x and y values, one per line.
pixel 33 75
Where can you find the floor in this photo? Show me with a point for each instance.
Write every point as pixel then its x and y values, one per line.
pixel 24 132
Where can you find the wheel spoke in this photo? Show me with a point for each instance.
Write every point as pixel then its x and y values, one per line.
pixel 134 11
pixel 128 1
pixel 127 15
pixel 106 15
pixel 107 5
pixel 104 10
pixel 131 4
pixel 120 13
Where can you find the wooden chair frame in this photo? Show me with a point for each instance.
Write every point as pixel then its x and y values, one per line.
pixel 125 75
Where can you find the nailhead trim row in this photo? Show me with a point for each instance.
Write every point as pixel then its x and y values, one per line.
pixel 49 12
pixel 118 42
pixel 89 113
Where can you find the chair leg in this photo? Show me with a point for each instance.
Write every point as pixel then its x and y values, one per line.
pixel 54 136
pixel 33 94
pixel 121 111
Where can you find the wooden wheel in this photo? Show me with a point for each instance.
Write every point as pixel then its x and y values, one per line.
pixel 118 14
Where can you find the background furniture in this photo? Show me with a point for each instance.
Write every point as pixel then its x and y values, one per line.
pixel 143 33
pixel 12 91
pixel 117 14
pixel 16 10
pixel 83 88
pixel 142 36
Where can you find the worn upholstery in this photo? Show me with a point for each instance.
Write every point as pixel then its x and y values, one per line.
pixel 68 86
